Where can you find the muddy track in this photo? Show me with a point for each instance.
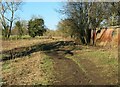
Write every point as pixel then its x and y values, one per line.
pixel 67 72
pixel 93 72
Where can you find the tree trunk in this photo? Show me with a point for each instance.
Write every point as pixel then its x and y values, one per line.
pixel 9 33
pixel 88 36
pixel 82 36
pixel 94 36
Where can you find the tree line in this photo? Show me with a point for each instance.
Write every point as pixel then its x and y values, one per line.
pixel 84 17
pixel 34 27
pixel 81 18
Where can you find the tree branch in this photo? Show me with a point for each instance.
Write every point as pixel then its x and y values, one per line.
pixel 8 6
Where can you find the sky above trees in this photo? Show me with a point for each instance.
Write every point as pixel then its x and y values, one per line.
pixel 46 10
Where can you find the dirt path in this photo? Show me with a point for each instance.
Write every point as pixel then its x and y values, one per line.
pixel 67 72
pixel 93 72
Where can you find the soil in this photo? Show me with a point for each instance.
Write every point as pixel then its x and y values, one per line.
pixel 66 71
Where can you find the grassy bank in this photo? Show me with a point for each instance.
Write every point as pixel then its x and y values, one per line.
pixel 35 69
pixel 103 62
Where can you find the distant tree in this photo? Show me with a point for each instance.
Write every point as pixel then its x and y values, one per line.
pixel 66 27
pixel 49 33
pixel 114 13
pixel 8 8
pixel 36 27
pixel 25 27
pixel 19 26
pixel 14 31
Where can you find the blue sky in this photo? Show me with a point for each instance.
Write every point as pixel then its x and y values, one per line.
pixel 47 10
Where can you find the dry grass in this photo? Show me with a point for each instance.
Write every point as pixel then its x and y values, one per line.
pixel 37 68
pixel 29 70
pixel 32 69
pixel 10 44
pixel 98 61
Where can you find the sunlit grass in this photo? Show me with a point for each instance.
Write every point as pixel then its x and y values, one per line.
pixel 104 59
pixel 47 68
pixel 37 63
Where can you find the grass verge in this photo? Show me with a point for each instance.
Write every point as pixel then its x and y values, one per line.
pixel 35 69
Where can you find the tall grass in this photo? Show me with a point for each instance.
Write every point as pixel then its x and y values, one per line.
pixel 16 37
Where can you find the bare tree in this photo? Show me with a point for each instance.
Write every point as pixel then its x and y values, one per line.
pixel 87 16
pixel 7 15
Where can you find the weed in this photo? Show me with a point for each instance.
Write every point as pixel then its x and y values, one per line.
pixel 47 67
pixel 6 65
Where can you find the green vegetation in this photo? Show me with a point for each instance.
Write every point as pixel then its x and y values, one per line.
pixel 6 66
pixel 36 27
pixel 16 37
pixel 101 55
pixel 105 60
pixel 19 26
pixel 47 68
pixel 105 57
pixel 35 55
pixel 40 65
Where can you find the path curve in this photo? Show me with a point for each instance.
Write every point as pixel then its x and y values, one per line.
pixel 67 72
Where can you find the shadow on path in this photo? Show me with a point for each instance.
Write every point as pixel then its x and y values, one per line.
pixel 66 71
pixel 25 51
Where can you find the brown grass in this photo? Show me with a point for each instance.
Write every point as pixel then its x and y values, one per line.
pixel 10 44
